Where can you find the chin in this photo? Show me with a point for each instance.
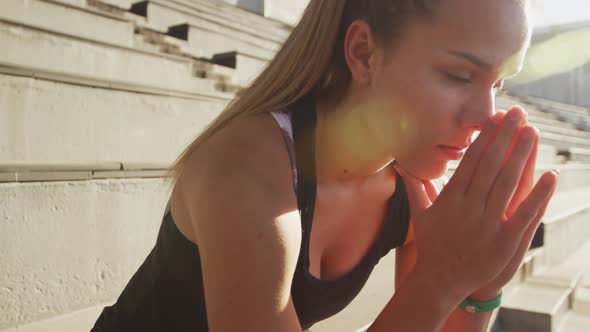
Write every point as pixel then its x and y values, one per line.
pixel 428 170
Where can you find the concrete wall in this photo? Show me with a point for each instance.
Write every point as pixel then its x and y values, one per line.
pixel 571 87
pixel 287 11
pixel 73 244
pixel 255 6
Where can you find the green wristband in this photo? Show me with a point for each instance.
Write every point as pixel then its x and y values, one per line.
pixel 475 306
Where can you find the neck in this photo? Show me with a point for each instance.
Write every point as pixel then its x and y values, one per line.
pixel 347 149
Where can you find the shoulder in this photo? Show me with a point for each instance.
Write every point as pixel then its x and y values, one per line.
pixel 249 148
pixel 240 179
pixel 240 202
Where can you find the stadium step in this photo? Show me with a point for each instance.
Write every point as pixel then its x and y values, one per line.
pixel 68 222
pixel 247 67
pixel 566 226
pixel 216 11
pixel 575 322
pixel 537 113
pixel 546 154
pixel 122 4
pixel 79 320
pixel 581 301
pixel 579 155
pixel 237 18
pixel 101 65
pixel 580 259
pixel 88 24
pixel 573 175
pixel 534 307
pixel 564 131
pixel 570 274
pixel 548 120
pixel 210 37
pixel 40 125
pixel 570 112
pixel 564 142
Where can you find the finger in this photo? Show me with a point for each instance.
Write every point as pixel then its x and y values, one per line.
pixel 493 159
pixel 526 182
pixel 499 116
pixel 417 194
pixel 529 233
pixel 431 190
pixel 530 207
pixel 527 237
pixel 462 176
pixel 505 184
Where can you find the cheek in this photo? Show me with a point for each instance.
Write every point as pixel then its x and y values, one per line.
pixel 417 112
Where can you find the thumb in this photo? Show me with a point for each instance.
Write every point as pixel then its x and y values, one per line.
pixel 417 194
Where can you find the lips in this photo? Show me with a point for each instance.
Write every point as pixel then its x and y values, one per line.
pixel 452 153
pixel 455 147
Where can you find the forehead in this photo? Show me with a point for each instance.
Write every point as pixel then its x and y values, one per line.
pixel 497 31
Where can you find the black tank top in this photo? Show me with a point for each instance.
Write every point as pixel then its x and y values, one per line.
pixel 166 292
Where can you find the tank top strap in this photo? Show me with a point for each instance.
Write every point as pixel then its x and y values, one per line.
pixel 284 120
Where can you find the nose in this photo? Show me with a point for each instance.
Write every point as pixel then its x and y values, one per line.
pixel 477 110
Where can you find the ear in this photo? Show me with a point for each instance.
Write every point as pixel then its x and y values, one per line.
pixel 359 51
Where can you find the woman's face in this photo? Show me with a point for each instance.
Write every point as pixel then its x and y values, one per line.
pixel 437 87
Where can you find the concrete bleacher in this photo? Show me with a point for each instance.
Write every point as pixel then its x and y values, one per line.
pixel 77 123
pixel 569 113
pixel 204 32
pixel 550 297
pixel 100 96
pixel 212 36
pixel 101 65
pixel 93 110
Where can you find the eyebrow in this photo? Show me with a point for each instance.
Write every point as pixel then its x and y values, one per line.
pixel 473 59
pixel 478 61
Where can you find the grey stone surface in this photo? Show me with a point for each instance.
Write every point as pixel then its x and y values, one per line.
pixel 81 22
pixel 73 244
pixel 575 322
pixel 76 124
pixel 51 176
pixel 55 166
pixel 7 177
pixel 102 65
pixel 534 308
pixel 581 303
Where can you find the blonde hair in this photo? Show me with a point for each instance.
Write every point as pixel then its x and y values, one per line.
pixel 311 60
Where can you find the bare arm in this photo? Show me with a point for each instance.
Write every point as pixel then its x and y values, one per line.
pixel 245 219
pixel 458 320
pixel 419 304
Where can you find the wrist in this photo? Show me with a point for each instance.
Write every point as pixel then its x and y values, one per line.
pixel 476 306
pixel 485 295
pixel 446 289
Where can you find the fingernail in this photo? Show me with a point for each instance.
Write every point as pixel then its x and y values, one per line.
pixel 514 116
pixel 496 120
pixel 555 171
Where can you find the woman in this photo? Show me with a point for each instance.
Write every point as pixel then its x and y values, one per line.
pixel 361 109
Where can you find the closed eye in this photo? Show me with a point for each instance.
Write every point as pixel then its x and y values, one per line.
pixel 458 79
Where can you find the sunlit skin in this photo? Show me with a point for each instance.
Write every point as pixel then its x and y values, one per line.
pixel 437 88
